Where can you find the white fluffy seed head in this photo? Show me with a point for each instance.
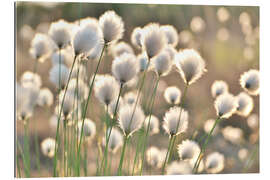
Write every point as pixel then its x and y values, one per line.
pixel 245 104
pixel 208 126
pixel 143 61
pixel 95 53
pixel 45 97
pixel 214 162
pixel 86 38
pixel 120 48
pixel 54 75
pixel 130 97
pixel 162 64
pixel 128 124
pixel 232 134
pixel 190 65
pixel 112 106
pixel 171 119
pixel 60 33
pixel 153 40
pixel 171 34
pixel 115 141
pixel 153 157
pixel 153 126
pixel 66 57
pixel 79 87
pixel 225 105
pixel 223 14
pixel 188 150
pixel 47 147
pixel 177 168
pixel 67 104
pixel 218 88
pixel 40 47
pixel 253 121
pixel 106 89
pixel 136 37
pixel 112 26
pixel 171 51
pixel 250 81
pixel 125 67
pixel 29 79
pixel 89 130
pixel 197 24
pixel 172 95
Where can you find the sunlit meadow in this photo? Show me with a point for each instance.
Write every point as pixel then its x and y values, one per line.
pixel 133 89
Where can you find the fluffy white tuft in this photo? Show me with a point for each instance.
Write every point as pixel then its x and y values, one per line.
pixel 153 126
pixel 250 81
pixel 218 88
pixel 171 34
pixel 136 37
pixel 162 63
pixel 225 105
pixel 45 97
pixel 47 147
pixel 214 162
pixel 172 95
pixel 245 104
pixel 188 150
pixel 54 75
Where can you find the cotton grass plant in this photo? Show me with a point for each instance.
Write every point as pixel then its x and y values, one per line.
pixel 128 119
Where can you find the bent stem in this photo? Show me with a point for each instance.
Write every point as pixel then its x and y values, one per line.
pixel 199 158
pixel 148 125
pixel 85 109
pixel 58 120
pixel 119 172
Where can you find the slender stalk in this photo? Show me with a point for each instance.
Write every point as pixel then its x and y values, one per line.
pixel 85 158
pixel 250 160
pixel 137 151
pixel 65 147
pixel 167 153
pixel 86 106
pixel 26 148
pixel 170 152
pixel 148 125
pixel 119 172
pixel 26 170
pixel 110 130
pixel 199 158
pixel 58 120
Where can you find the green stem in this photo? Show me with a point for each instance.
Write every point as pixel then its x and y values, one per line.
pixel 199 158
pixel 85 159
pixel 58 120
pixel 26 148
pixel 119 172
pixel 85 109
pixel 148 126
pixel 65 147
pixel 26 170
pixel 168 151
pixel 246 167
pixel 137 151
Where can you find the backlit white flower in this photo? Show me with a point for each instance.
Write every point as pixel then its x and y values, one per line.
pixel 153 40
pixel 214 162
pixel 176 168
pixel 162 64
pixel 128 124
pixel 45 97
pixel 125 67
pixel 64 56
pixel 250 81
pixel 112 106
pixel 232 134
pixel 95 53
pixel 112 26
pixel 153 157
pixel 223 14
pixel 60 33
pixel 54 75
pixel 143 61
pixel 67 104
pixel 208 126
pixel 89 130
pixel 218 88
pixel 79 87
pixel 171 34
pixel 188 150
pixel 136 37
pixel 153 126
pixel 40 47
pixel 172 95
pixel 245 104
pixel 30 79
pixel 171 119
pixel 130 97
pixel 190 65
pixel 225 105
pixel 120 48
pixel 86 38
pixel 197 24
pixel 106 89
pixel 253 121
pixel 115 141
pixel 48 147
pixel 171 51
